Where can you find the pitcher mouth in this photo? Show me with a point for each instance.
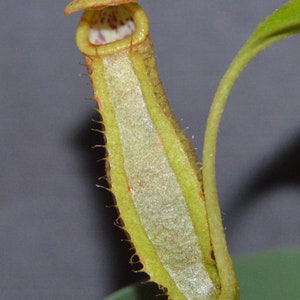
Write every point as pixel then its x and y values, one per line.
pixel 110 29
pixel 111 24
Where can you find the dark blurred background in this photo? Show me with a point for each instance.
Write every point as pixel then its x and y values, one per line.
pixel 57 238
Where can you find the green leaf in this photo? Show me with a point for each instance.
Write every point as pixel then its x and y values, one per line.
pixel 146 291
pixel 281 24
pixel 268 275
